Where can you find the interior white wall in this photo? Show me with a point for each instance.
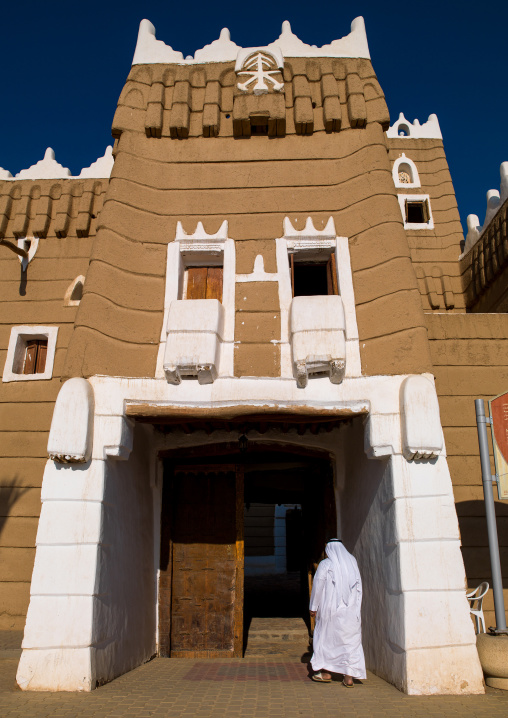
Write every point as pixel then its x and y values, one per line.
pixel 126 581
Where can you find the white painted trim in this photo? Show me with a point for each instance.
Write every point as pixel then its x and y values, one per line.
pixel 16 351
pixel 414 130
pixel 415 198
pixel 22 243
pixel 150 51
pixel 403 160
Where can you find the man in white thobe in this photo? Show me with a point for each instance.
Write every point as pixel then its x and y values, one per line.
pixel 336 602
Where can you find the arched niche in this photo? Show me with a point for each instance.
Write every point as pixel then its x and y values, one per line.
pixel 74 292
pixel 405 173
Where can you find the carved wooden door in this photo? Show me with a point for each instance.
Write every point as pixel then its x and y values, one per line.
pixel 207 562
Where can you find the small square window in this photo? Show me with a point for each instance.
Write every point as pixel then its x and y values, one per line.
pixel 416 212
pixel 258 125
pixel 31 353
pixel 312 278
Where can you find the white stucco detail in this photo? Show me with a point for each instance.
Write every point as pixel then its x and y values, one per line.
pixel 113 437
pixel 402 128
pixel 71 433
pixel 14 361
pixel 318 344
pixel 258 274
pixel 149 50
pixel 422 435
pixel 101 167
pixel 30 245
pixel 68 297
pixel 493 204
pixel 47 168
pixel 195 329
pixel 256 70
pixel 404 164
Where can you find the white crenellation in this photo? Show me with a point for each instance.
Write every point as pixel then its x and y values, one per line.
pixel 402 128
pixel 71 433
pixel 149 50
pixel 101 168
pixel 49 168
pixel 495 199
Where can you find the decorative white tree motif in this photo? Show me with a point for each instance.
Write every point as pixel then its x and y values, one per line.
pixel 257 67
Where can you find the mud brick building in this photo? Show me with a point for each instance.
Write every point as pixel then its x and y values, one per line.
pixel 256 299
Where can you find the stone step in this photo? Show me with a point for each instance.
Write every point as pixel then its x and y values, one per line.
pixel 286 649
pixel 278 629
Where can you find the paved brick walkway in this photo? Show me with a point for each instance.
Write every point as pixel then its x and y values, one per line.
pixel 248 688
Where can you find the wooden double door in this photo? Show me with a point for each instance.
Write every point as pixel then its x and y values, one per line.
pixel 202 557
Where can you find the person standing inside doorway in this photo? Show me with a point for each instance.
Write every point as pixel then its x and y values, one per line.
pixel 336 602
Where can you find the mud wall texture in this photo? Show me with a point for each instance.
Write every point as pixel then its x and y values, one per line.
pixel 163 177
pixel 35 297
pixel 469 354
pixel 434 252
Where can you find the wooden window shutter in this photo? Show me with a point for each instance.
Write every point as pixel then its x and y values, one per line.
pixel 331 275
pixel 214 283
pixel 42 349
pixel 196 282
pixel 30 357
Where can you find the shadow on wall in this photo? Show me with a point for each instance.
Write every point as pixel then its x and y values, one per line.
pixel 475 544
pixel 9 496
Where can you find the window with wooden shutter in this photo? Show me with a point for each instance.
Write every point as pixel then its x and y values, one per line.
pixel 35 356
pixel 203 283
pixel 313 278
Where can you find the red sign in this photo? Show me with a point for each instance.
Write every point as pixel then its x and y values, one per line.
pixel 499 426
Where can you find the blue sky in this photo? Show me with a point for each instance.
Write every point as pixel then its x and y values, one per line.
pixel 64 66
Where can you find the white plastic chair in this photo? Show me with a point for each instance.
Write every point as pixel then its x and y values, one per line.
pixel 477 596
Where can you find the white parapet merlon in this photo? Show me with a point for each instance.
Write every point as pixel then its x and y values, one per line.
pixel 71 433
pixel 195 331
pixel 474 229
pixel 47 168
pixel 318 343
pixel 422 435
pixel 495 200
pixel 402 128
pixel 101 168
pixel 149 50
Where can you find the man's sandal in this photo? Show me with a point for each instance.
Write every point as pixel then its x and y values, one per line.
pixel 318 677
pixel 348 685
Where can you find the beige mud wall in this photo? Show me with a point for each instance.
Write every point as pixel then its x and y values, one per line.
pixel 169 168
pixel 434 252
pixel 469 353
pixel 26 407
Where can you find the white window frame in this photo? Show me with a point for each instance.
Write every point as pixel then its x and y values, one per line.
pixel 17 348
pixel 211 250
pixel 415 198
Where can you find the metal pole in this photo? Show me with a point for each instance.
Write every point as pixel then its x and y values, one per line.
pixel 495 563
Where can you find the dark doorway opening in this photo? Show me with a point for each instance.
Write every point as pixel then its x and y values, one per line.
pixel 286 505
